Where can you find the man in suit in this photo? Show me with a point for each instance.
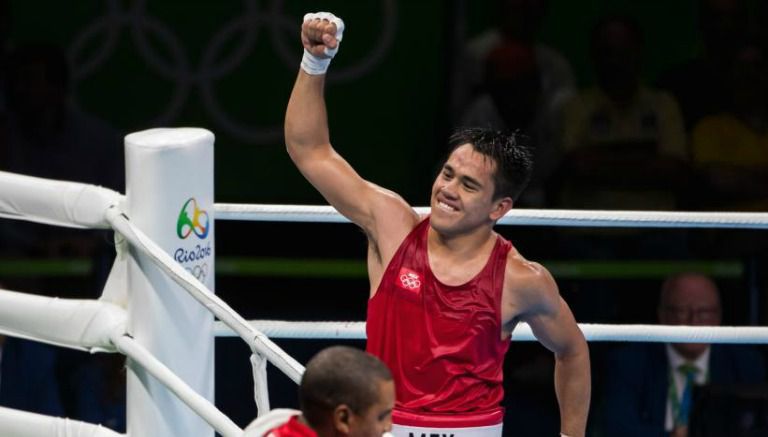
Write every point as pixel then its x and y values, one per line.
pixel 648 386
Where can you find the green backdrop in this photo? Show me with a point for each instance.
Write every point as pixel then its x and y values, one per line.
pixel 389 121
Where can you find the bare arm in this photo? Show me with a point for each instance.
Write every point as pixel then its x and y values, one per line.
pixel 381 213
pixel 554 326
pixel 308 143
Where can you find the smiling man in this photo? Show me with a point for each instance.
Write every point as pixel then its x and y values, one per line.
pixel 446 290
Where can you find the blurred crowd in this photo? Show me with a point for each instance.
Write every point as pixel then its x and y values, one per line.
pixel 693 139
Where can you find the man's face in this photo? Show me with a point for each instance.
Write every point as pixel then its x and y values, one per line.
pixel 693 301
pixel 378 418
pixel 462 194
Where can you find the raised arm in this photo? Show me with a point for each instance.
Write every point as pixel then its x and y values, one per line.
pixel 554 326
pixel 308 142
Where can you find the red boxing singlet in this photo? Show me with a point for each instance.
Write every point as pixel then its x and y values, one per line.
pixel 442 343
pixel 292 428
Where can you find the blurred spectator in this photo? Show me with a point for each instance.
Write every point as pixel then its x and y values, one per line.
pixel 27 376
pixel 731 148
pixel 648 386
pixel 507 79
pixel 519 21
pixel 624 143
pixel 511 89
pixel 511 101
pixel 699 84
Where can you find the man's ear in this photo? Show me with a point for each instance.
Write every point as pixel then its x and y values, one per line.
pixel 502 206
pixel 342 416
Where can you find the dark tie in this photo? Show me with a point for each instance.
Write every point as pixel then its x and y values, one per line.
pixel 689 372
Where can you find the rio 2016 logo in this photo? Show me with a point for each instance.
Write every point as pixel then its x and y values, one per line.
pixel 191 220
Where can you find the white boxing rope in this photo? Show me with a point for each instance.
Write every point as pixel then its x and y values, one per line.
pixel 89 325
pixel 70 204
pixel 74 323
pixel 592 332
pixel 300 330
pixel 258 342
pixel 100 326
pixel 531 217
pixel 16 423
pixel 200 405
pixel 677 333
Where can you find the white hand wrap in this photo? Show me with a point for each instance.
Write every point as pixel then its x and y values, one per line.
pixel 316 65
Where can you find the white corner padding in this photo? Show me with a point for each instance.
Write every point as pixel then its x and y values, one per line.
pixel 70 204
pixel 74 323
pixel 16 423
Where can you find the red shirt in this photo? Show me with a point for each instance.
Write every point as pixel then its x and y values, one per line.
pixel 442 343
pixel 292 428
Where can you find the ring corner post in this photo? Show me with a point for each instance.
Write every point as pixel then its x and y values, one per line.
pixel 169 195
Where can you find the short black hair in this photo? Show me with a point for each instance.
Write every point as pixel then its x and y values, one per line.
pixel 511 151
pixel 340 375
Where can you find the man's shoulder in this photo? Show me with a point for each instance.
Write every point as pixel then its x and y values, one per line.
pixel 526 272
pixel 530 281
pixel 389 207
pixel 389 212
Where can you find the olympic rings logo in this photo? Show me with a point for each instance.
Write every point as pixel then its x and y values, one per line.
pixel 222 54
pixel 192 219
pixel 410 281
pixel 199 271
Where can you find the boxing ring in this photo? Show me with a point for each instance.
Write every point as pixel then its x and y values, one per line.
pixel 157 307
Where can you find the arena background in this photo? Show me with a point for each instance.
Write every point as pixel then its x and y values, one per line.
pixel 138 65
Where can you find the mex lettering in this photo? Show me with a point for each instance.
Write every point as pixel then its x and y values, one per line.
pixel 423 434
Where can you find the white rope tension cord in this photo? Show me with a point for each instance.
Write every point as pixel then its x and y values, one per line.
pixel 532 217
pixel 255 339
pixel 200 405
pixel 592 332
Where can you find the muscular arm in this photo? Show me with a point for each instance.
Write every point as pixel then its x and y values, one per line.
pixel 384 216
pixel 554 326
